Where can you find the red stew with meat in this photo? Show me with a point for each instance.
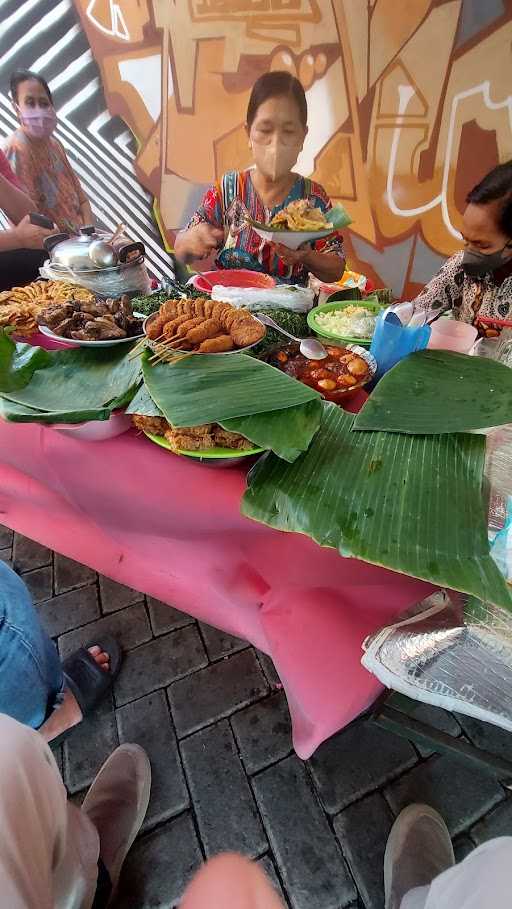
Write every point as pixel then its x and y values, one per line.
pixel 336 375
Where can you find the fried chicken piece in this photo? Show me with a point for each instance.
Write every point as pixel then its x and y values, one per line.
pixel 64 328
pixel 156 425
pixel 133 326
pixel 125 306
pixel 104 329
pixel 220 344
pixel 94 308
pixel 246 331
pixel 208 329
pixel 208 308
pixel 53 315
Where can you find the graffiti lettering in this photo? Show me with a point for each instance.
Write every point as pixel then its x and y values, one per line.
pixel 222 8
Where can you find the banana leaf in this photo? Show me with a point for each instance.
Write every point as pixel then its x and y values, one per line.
pixel 287 433
pixel 414 504
pixel 142 403
pixel 18 413
pixel 74 381
pixel 435 391
pixel 18 362
pixel 212 389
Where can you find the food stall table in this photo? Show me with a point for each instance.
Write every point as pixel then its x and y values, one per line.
pixel 173 529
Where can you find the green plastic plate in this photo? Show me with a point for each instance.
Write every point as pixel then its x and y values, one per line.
pixel 374 308
pixel 207 454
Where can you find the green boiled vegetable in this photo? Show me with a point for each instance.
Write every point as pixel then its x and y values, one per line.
pixel 146 304
pixel 435 391
pixel 209 389
pixel 414 504
pixel 294 322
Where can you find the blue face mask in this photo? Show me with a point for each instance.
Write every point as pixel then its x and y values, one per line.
pixel 477 264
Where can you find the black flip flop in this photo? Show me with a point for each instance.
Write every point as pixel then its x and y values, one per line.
pixel 87 681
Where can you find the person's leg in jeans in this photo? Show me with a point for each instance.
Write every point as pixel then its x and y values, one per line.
pixel 31 679
pixel 420 870
pixel 49 848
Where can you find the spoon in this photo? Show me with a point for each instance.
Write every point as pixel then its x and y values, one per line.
pixel 309 347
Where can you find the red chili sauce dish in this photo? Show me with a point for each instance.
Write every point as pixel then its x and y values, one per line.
pixel 335 377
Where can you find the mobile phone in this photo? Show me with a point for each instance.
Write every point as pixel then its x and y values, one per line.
pixel 40 220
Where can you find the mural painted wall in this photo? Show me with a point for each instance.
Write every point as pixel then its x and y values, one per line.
pixel 410 103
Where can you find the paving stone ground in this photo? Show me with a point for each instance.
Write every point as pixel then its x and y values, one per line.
pixel 213 718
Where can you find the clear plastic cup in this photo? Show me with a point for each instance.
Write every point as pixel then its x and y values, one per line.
pixel 448 334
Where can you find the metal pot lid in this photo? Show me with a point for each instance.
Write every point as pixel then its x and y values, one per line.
pixel 63 270
pixel 91 250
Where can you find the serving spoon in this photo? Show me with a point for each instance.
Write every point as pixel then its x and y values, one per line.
pixel 309 347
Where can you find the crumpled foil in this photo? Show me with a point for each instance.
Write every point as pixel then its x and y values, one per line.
pixel 455 653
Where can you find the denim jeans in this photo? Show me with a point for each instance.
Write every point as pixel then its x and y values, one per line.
pixel 31 679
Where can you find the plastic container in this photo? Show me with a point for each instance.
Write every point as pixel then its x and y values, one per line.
pixel 393 341
pixel 128 279
pixel 231 277
pixel 448 334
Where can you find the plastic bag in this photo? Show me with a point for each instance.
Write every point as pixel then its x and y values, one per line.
pixel 125 279
pixel 393 341
pixel 285 296
pixel 501 548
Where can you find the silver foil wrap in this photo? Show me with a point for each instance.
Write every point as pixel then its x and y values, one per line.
pixel 454 653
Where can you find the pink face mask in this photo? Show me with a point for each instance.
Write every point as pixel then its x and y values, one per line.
pixel 277 159
pixel 40 124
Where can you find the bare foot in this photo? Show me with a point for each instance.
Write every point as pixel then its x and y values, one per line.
pixel 101 658
pixel 68 713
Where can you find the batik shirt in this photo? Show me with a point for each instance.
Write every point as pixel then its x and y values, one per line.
pixel 248 250
pixel 469 297
pixel 46 174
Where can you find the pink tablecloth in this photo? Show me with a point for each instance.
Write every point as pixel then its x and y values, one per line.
pixel 173 529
